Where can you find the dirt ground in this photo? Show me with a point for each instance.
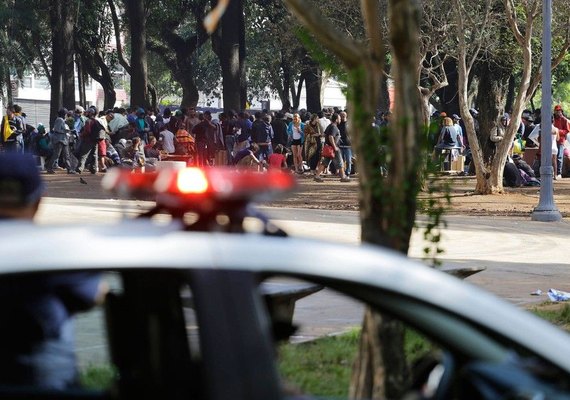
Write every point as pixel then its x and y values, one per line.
pixel 334 195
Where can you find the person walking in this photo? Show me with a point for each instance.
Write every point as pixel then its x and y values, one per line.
pixel 332 138
pixel 563 125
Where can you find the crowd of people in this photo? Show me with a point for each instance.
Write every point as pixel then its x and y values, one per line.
pixel 88 139
pixel 523 161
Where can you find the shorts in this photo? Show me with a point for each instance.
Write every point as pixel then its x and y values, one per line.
pixel 296 142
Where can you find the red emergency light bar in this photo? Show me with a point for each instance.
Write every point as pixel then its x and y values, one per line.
pixel 219 183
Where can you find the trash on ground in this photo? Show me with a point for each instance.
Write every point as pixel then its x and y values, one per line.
pixel 537 292
pixel 558 295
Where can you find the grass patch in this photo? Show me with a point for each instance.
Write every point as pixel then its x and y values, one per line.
pixel 323 367
pixel 556 313
pixel 97 377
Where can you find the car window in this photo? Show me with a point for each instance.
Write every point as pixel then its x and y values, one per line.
pixel 447 356
pixel 318 357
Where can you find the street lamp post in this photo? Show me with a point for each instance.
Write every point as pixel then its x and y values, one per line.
pixel 546 210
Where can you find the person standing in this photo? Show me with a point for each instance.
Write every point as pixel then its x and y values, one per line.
pixel 89 137
pixel 345 144
pixel 37 340
pixel 313 144
pixel 332 138
pixel 296 132
pixel 60 143
pixel 563 125
pixel 262 134
pixel 12 131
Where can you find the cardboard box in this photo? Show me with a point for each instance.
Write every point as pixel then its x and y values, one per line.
pixel 459 164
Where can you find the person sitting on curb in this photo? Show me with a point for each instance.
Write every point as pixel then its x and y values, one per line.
pixel 37 338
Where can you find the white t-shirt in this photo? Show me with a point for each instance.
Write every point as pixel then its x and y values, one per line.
pixel 324 122
pixel 167 139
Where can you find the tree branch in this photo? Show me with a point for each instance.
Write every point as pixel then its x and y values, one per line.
pixel 116 26
pixel 371 16
pixel 349 51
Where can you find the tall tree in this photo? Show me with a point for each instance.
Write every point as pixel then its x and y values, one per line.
pixel 58 58
pixel 137 15
pixel 387 203
pixel 92 46
pixel 70 11
pixel 477 26
pixel 228 43
pixel 177 35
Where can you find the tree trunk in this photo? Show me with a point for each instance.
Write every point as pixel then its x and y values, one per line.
pixel 190 95
pixel 387 202
pixel 510 101
pixel 312 75
pixel 229 46
pixel 68 31
pixel 136 11
pixel 384 94
pixel 297 95
pixel 8 84
pixel 493 81
pixel 58 59
pixel 80 81
pixel 285 95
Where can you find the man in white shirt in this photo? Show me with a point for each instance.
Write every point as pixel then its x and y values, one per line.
pixel 166 139
pixel 324 122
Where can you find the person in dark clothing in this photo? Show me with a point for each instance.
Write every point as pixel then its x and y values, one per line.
pixel 279 126
pixel 345 145
pixel 88 149
pixel 262 134
pixel 204 135
pixel 12 131
pixel 36 339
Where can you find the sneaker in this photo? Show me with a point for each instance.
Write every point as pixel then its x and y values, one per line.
pixel 50 171
pixel 318 179
pixel 558 177
pixel 345 179
pixel 71 172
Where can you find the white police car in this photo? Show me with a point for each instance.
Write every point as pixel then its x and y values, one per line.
pixel 188 318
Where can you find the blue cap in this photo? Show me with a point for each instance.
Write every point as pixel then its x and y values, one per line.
pixel 131 118
pixel 20 181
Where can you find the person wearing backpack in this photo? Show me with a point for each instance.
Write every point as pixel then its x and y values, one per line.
pixel 89 136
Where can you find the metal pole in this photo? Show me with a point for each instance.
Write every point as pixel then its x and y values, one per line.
pixel 546 210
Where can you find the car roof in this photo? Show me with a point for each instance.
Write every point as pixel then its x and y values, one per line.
pixel 135 244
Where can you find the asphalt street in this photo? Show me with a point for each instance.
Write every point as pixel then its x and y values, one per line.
pixel 520 256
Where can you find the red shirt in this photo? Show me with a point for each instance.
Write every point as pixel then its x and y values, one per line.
pixel 563 126
pixel 276 160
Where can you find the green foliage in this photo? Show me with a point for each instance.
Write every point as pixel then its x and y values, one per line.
pixel 321 367
pixel 161 77
pixel 559 316
pixel 208 71
pixel 97 377
pixel 324 58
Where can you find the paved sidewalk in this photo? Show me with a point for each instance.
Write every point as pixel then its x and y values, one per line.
pixel 520 256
